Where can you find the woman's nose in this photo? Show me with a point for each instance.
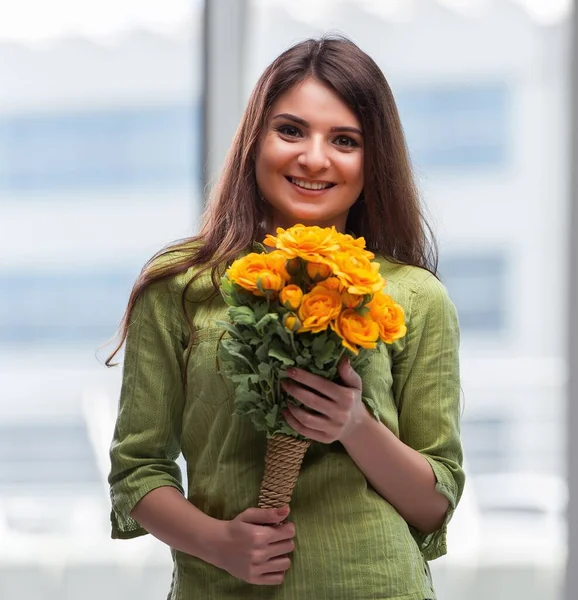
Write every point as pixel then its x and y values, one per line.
pixel 314 157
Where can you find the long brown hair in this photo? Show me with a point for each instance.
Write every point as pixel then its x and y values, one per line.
pixel 388 212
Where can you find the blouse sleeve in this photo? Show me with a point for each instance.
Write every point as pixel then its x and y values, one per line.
pixel 147 435
pixel 426 384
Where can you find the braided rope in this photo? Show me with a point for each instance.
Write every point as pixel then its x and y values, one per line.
pixel 282 465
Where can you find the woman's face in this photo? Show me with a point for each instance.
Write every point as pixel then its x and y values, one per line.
pixel 309 163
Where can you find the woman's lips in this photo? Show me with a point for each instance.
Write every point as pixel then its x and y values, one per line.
pixel 307 191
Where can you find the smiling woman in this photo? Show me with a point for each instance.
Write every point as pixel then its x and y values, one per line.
pixel 309 164
pixel 321 144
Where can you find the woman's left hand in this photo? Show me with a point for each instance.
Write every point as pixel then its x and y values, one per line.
pixel 339 409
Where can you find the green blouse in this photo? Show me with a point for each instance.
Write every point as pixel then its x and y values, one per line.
pixel 350 544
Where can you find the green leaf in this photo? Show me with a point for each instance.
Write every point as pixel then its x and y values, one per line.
pixel 242 315
pixel 234 331
pixel 305 339
pixel 327 354
pixel 281 355
pixel 265 370
pixel 271 416
pixel 264 324
pixel 302 361
pixel 262 352
pixel 232 352
pixel 228 291
pixel 318 343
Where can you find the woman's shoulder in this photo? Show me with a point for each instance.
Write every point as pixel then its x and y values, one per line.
pixel 174 276
pixel 413 279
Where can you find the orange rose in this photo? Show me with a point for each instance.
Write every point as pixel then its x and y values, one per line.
pixel 318 308
pixel 332 284
pixel 291 296
pixel 355 246
pixel 357 273
pixel 254 271
pixel 277 262
pixel 309 243
pixel 356 330
pixel 350 300
pixel 318 271
pixel 389 316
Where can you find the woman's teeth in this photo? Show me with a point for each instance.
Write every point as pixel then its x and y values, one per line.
pixel 308 185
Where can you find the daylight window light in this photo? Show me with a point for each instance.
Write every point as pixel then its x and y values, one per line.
pixel 310 12
pixel 547 12
pixel 468 8
pixel 62 18
pixel 389 10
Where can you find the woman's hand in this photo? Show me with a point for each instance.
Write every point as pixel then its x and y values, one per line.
pixel 337 409
pixel 255 544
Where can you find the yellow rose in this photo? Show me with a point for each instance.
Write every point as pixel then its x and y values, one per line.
pixel 350 300
pixel 310 243
pixel 318 271
pixel 269 281
pixel 277 262
pixel 291 296
pixel 318 308
pixel 389 316
pixel 358 275
pixel 355 246
pixel 332 284
pixel 356 330
pixel 254 270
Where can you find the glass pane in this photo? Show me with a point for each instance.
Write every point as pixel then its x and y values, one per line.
pixel 99 168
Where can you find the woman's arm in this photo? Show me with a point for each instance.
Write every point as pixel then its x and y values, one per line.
pixel 420 473
pixel 166 514
pixel 145 480
pixel 398 473
pixel 247 547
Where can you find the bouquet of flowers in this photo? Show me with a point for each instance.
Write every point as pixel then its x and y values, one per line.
pixel 308 302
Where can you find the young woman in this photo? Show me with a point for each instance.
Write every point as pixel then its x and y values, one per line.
pixel 320 143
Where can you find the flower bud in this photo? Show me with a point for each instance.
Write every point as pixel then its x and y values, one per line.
pixel 318 271
pixel 291 296
pixel 291 321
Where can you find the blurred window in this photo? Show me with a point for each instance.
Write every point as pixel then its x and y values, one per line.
pixel 36 454
pixel 456 127
pixel 63 306
pixel 485 441
pixel 476 284
pixel 85 149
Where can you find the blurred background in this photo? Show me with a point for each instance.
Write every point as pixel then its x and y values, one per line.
pixel 105 150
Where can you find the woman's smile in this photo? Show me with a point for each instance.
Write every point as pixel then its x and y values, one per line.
pixel 309 187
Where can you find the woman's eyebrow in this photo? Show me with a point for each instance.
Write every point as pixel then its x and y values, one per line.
pixel 304 123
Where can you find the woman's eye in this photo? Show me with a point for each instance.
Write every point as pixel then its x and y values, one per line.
pixel 346 142
pixel 289 130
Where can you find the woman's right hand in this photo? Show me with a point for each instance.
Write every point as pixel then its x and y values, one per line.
pixel 254 546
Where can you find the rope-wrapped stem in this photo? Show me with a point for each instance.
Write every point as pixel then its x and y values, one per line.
pixel 282 465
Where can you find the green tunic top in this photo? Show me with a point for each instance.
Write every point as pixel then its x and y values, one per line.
pixel 350 544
